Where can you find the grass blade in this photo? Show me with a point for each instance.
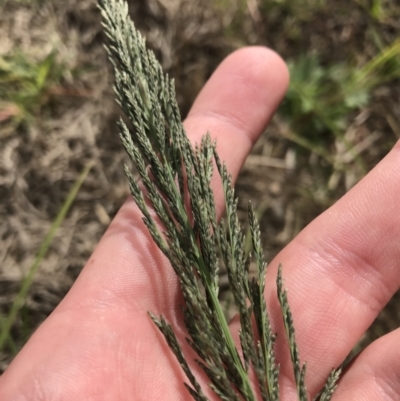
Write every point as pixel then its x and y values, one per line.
pixel 7 323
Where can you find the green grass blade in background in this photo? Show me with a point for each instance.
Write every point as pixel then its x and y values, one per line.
pixel 7 322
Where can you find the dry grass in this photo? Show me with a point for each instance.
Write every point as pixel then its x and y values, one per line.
pixel 51 127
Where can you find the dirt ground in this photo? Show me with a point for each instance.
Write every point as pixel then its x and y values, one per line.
pixel 72 122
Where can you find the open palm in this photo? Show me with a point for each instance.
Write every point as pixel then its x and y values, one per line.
pixel 100 344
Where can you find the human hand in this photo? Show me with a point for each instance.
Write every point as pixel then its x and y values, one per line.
pixel 100 344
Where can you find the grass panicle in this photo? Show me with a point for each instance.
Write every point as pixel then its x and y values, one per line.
pixel 174 174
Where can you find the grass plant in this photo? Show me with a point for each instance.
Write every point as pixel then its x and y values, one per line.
pixel 8 321
pixel 172 174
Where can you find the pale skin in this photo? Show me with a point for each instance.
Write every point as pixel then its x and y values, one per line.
pixel 99 344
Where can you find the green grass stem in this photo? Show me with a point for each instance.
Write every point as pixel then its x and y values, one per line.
pixel 7 323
